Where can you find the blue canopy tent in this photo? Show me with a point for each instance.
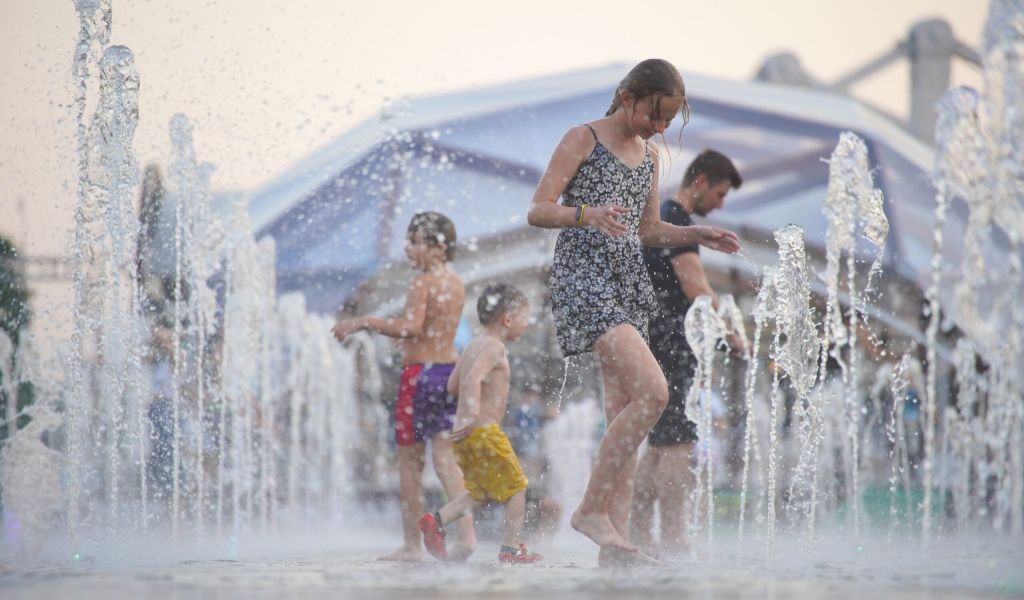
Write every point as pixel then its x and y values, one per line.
pixel 339 216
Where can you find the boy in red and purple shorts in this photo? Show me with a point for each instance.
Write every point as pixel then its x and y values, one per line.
pixel 424 411
pixel 424 407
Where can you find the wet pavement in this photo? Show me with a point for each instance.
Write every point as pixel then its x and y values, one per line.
pixel 570 570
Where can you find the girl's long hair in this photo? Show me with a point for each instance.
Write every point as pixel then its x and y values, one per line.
pixel 653 78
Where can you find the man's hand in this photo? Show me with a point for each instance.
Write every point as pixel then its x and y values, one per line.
pixel 345 328
pixel 737 345
pixel 718 239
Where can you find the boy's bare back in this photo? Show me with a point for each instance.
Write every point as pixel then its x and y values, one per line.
pixel 482 376
pixel 438 295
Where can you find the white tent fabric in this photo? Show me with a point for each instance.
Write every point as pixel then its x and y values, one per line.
pixel 340 215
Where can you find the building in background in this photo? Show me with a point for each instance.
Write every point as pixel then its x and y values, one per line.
pixel 339 217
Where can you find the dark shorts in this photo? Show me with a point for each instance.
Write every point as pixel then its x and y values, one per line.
pixel 668 344
pixel 424 407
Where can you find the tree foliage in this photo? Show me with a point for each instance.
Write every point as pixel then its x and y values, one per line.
pixel 15 312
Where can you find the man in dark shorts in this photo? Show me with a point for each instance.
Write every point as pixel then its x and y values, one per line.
pixel 677 274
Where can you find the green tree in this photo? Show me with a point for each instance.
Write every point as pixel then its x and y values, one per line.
pixel 14 308
pixel 15 314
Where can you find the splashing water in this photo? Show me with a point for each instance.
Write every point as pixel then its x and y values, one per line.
pixel 797 354
pixel 258 396
pixel 107 319
pixel 978 162
pixel 704 329
pixel 800 355
pixel 853 205
pixel 707 329
pixel 970 460
pixel 797 357
pixel 750 441
pixel 156 425
pixel 198 241
pixel 794 352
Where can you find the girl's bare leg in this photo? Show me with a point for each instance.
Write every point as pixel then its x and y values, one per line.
pixel 618 511
pixel 640 388
pixel 410 496
pixel 621 497
pixel 454 487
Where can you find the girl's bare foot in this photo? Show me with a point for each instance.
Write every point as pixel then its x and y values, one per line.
pixel 598 527
pixel 403 554
pixel 674 550
pixel 617 558
pixel 645 543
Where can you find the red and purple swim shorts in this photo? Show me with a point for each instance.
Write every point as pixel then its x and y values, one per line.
pixel 424 407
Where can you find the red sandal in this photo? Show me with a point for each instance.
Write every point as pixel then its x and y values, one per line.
pixel 518 556
pixel 433 535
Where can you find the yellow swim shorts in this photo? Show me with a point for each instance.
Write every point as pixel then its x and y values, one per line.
pixel 489 465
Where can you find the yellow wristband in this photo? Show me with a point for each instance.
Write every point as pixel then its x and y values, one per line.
pixel 583 209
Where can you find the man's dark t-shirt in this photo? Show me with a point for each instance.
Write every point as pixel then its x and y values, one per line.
pixel 671 299
pixel 667 335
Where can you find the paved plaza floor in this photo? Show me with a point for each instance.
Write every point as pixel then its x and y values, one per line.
pixel 975 568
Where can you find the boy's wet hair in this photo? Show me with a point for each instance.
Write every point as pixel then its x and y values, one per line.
pixel 715 166
pixel 498 299
pixel 436 229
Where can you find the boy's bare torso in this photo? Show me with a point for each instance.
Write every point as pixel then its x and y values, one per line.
pixel 494 385
pixel 445 296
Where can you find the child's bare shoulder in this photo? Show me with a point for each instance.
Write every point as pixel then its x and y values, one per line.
pixel 451 279
pixel 439 281
pixel 484 346
pixel 420 281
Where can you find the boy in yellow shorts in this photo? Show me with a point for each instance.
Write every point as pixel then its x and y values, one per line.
pixel 489 466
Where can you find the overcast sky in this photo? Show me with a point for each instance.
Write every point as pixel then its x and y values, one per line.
pixel 266 83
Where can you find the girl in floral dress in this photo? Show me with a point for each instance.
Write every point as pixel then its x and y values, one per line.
pixel 606 172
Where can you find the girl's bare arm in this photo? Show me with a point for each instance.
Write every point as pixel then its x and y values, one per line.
pixel 575 146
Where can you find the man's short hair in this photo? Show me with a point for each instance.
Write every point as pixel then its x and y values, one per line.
pixel 715 166
pixel 436 229
pixel 498 299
